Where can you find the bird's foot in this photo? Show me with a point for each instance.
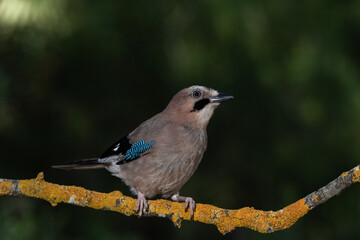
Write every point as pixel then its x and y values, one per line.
pixel 141 205
pixel 189 202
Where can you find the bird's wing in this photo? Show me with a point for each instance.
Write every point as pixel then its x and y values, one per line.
pixel 120 147
pixel 137 143
pixel 126 151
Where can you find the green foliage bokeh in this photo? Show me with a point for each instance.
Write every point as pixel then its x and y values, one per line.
pixel 77 75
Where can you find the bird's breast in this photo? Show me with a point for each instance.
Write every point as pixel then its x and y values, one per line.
pixel 170 163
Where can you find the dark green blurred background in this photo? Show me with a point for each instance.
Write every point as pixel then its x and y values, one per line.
pixel 77 75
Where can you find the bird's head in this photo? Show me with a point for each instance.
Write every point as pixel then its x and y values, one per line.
pixel 195 105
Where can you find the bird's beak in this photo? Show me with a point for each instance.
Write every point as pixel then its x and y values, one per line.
pixel 221 97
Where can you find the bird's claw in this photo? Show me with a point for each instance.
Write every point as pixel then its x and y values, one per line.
pixel 141 205
pixel 189 202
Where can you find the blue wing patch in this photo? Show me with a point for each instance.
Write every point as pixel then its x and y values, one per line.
pixel 129 152
pixel 138 148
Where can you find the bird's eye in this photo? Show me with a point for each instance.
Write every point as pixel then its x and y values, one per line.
pixel 196 94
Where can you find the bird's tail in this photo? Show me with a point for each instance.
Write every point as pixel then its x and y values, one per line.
pixel 91 163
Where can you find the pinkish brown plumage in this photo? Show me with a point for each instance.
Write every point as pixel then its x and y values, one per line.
pixel 160 155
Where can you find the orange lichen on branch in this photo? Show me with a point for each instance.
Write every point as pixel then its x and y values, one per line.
pixel 54 194
pixel 225 220
pixel 258 220
pixel 286 217
pixel 5 187
pixel 356 177
pixel 270 221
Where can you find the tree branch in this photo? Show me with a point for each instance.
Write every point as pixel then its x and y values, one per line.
pixel 225 220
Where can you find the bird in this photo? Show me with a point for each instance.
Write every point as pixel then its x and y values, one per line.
pixel 162 153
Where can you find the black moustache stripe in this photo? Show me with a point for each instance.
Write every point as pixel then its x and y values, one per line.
pixel 200 104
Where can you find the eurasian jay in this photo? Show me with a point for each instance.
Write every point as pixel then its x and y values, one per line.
pixel 160 155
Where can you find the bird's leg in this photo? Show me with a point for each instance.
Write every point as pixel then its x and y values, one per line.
pixel 141 205
pixel 189 202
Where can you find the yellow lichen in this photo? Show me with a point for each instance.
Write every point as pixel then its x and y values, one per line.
pixel 225 220
pixel 293 212
pixel 356 177
pixel 263 221
pixel 5 187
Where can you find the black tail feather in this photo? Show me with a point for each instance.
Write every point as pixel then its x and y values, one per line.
pixel 91 163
